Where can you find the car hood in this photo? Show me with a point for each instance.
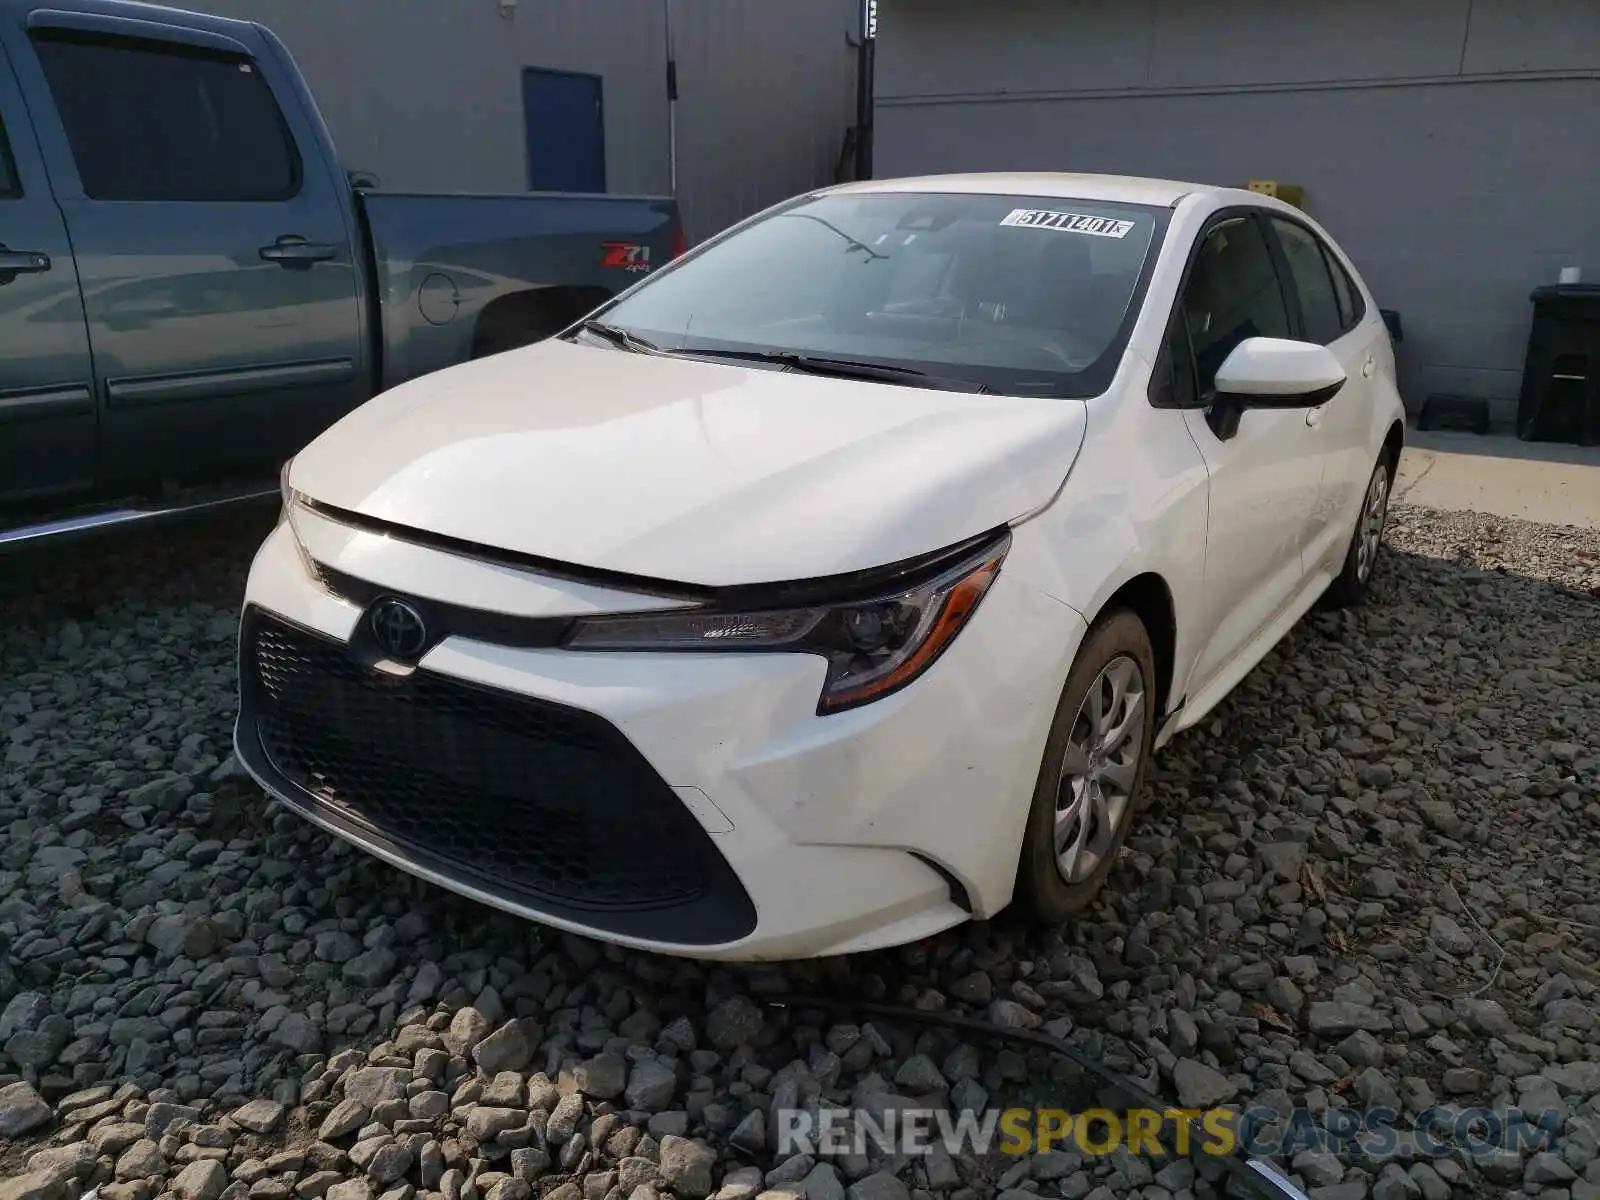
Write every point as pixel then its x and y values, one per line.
pixel 690 471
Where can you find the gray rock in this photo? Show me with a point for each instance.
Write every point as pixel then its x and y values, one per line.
pixel 297 1032
pixel 651 1085
pixel 1485 1017
pixel 22 1110
pixel 1335 1018
pixel 685 1166
pixel 371 967
pixel 1283 859
pixel 344 1119
pixel 33 1185
pixel 258 1116
pixel 1200 1086
pixel 467 1028
pixel 390 1163
pixel 376 1086
pixel 76 1160
pixel 1318 1168
pixel 564 1119
pixel 919 1075
pixel 1428 1182
pixel 604 1077
pixel 880 1186
pixel 506 1049
pixel 486 1124
pixel 141 1160
pixel 736 1021
pixel 1446 933
pixel 1545 1168
pixel 1377 1092
pixel 1394 1184
pixel 202 1180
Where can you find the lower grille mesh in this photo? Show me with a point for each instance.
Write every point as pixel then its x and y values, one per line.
pixel 524 799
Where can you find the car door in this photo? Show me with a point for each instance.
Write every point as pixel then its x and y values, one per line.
pixel 1321 300
pixel 216 267
pixel 1265 471
pixel 47 404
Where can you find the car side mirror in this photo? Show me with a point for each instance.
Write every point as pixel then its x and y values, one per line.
pixel 1264 372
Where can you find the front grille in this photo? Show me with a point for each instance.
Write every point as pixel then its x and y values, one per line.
pixel 545 806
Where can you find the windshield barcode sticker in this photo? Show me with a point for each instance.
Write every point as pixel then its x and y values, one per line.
pixel 1038 218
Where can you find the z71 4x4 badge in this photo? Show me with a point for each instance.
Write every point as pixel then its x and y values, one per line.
pixel 628 256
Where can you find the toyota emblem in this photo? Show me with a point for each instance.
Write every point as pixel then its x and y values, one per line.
pixel 398 628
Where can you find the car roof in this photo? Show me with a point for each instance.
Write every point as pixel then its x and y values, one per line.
pixel 1128 189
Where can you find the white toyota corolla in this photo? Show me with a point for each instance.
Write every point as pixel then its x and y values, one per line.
pixel 835 584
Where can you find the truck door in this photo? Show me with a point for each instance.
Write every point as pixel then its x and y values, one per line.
pixel 211 235
pixel 47 402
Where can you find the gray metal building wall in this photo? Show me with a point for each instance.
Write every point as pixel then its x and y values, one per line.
pixel 1452 146
pixel 427 93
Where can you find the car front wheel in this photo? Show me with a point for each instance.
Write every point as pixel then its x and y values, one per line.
pixel 1093 771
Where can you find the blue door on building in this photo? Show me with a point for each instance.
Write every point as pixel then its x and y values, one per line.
pixel 566 130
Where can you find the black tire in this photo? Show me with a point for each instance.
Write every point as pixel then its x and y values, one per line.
pixel 1354 581
pixel 1043 891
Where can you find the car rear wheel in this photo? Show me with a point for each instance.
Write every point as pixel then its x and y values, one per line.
pixel 1361 558
pixel 1092 777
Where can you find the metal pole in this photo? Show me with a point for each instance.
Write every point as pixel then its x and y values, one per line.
pixel 864 104
pixel 672 100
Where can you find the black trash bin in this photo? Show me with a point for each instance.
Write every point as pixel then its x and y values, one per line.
pixel 1560 399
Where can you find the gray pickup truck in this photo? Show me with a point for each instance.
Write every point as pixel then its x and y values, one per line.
pixel 192 286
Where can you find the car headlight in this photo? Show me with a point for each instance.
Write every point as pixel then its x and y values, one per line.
pixel 285 493
pixel 873 647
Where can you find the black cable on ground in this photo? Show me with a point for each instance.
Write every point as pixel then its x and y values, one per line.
pixel 1260 1178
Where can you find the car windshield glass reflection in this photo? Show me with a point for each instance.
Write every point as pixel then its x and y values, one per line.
pixel 1017 294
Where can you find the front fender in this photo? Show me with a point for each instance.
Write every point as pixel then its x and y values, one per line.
pixel 1135 503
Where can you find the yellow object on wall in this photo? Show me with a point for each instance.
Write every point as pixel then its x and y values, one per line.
pixel 1289 193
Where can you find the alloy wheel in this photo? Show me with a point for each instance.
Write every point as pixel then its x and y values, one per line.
pixel 1099 769
pixel 1374 512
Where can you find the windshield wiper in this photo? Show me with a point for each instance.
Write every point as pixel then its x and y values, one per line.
pixel 854 243
pixel 847 368
pixel 621 337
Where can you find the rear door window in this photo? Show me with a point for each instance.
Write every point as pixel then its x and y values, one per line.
pixel 1351 306
pixel 151 120
pixel 1313 282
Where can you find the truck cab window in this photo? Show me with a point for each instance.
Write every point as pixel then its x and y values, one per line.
pixel 163 121
pixel 10 181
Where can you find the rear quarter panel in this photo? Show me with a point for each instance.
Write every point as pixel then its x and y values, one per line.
pixel 439 260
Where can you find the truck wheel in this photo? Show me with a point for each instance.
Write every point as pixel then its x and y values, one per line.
pixel 1093 771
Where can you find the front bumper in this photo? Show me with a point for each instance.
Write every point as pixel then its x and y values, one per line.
pixel 685 803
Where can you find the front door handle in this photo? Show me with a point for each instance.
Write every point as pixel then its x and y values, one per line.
pixel 21 262
pixel 1313 417
pixel 1367 368
pixel 293 252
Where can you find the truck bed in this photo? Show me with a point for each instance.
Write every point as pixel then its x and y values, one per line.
pixel 435 291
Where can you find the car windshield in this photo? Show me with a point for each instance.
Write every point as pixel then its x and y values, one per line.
pixel 1011 294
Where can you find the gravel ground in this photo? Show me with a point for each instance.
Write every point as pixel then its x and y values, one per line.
pixel 1373 879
